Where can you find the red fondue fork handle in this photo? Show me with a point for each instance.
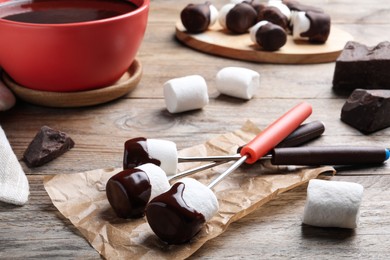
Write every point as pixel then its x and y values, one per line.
pixel 269 138
pixel 276 132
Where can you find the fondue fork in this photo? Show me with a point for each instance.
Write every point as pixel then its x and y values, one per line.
pixel 303 134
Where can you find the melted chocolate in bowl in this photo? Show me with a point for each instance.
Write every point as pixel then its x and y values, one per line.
pixel 136 153
pixel 171 219
pixel 128 193
pixel 64 11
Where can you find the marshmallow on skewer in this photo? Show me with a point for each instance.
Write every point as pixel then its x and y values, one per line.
pixel 237 18
pixel 269 36
pixel 310 25
pixel 177 215
pixel 238 82
pixel 129 191
pixel 197 18
pixel 185 93
pixel 333 204
pixel 138 151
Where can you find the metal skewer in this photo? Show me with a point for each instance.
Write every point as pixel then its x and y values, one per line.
pixel 269 138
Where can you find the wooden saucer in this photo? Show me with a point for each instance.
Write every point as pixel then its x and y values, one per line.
pixel 219 42
pixel 125 84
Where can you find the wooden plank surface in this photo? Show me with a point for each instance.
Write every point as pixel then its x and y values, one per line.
pixel 272 232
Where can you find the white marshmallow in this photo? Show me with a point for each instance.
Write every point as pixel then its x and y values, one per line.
pixel 223 12
pixel 282 7
pixel 200 197
pixel 300 24
pixel 186 93
pixel 157 177
pixel 333 204
pixel 213 15
pixel 238 82
pixel 253 30
pixel 166 152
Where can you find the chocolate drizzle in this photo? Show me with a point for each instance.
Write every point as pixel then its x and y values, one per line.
pixel 240 18
pixel 136 153
pixel 171 219
pixel 196 17
pixel 271 37
pixel 128 193
pixel 319 27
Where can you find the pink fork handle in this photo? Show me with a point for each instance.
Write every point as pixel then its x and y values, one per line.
pixel 276 132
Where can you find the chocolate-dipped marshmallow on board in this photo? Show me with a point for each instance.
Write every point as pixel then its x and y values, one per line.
pixel 297 6
pixel 268 35
pixel 197 18
pixel 311 25
pixel 237 18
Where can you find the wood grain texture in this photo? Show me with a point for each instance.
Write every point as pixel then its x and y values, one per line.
pixel 38 230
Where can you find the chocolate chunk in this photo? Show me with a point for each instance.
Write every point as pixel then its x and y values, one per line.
pixel 274 15
pixel 359 66
pixel 367 110
pixel 271 37
pixel 297 6
pixel 319 27
pixel 47 145
pixel 196 17
pixel 240 18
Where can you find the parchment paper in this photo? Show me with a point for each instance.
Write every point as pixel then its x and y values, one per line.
pixel 82 199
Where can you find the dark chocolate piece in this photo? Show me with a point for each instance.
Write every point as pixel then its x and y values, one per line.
pixel 367 110
pixel 136 153
pixel 171 219
pixel 128 193
pixel 47 145
pixel 271 37
pixel 274 15
pixel 319 27
pixel 359 66
pixel 240 18
pixel 196 17
pixel 297 6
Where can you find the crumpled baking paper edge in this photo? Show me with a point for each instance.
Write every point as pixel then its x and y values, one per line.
pixel 81 198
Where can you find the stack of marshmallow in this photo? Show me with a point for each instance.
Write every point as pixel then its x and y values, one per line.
pixel 191 92
pixel 268 24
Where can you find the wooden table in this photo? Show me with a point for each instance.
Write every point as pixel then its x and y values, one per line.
pixel 275 230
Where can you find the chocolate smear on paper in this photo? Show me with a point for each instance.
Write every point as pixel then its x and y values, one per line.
pixel 82 199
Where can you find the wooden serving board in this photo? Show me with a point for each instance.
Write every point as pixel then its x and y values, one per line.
pixel 218 41
pixel 124 85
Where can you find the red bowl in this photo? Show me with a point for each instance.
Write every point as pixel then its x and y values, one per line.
pixel 73 56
